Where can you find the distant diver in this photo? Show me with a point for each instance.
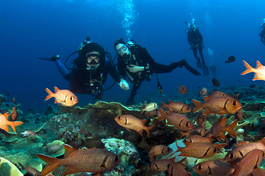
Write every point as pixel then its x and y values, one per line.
pixel 195 39
pixel 262 32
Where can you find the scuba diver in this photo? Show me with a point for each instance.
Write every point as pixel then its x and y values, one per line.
pixel 136 63
pixel 195 39
pixel 90 69
pixel 262 32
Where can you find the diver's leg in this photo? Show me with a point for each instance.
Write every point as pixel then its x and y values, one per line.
pixel 204 67
pixel 130 101
pixel 159 68
pixel 199 65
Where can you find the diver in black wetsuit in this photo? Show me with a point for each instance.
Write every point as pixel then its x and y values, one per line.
pixel 195 39
pixel 90 70
pixel 262 33
pixel 136 63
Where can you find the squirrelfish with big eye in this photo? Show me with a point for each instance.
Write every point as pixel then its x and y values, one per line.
pixel 213 167
pixel 240 151
pixel 64 97
pixel 159 150
pixel 179 121
pixel 249 162
pixel 178 107
pixel 219 105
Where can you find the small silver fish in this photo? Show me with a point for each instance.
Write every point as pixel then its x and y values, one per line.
pixel 149 107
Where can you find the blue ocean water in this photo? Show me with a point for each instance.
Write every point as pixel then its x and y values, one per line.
pixel 43 28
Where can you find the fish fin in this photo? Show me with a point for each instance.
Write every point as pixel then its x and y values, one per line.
pixel 183 133
pixel 181 162
pixel 147 129
pixel 206 99
pixel 172 159
pixel 6 128
pixel 206 111
pixel 68 170
pixel 230 128
pixel 163 105
pixel 56 89
pixel 53 163
pixel 241 143
pixel 163 114
pixel 258 64
pixel 170 111
pixel 142 111
pixel 248 70
pixel 68 150
pixel 55 101
pixel 23 168
pixel 140 132
pixel 50 94
pixel 219 146
pixel 198 107
pixel 6 115
pixel 256 78
pixel 14 124
pixel 170 101
pixel 223 121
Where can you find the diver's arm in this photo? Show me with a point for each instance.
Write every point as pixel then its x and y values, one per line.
pixel 62 69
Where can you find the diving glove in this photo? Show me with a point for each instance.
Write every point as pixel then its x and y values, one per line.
pixel 124 85
pixel 50 58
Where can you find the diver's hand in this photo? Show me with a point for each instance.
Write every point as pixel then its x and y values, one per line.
pixel 124 85
pixel 135 68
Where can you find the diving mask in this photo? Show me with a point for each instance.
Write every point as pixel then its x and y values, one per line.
pixel 122 49
pixel 92 61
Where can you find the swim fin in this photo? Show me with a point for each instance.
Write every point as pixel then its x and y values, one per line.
pixel 50 58
pixel 205 70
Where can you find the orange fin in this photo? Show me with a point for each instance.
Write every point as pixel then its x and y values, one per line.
pixel 53 163
pixel 68 150
pixel 56 89
pixel 198 107
pixel 170 101
pixel 169 111
pixel 50 94
pixel 147 129
pixel 248 70
pixel 163 105
pixel 223 121
pixel 6 128
pixel 230 128
pixel 14 124
pixel 6 115
pixel 163 114
pixel 206 99
pixel 258 64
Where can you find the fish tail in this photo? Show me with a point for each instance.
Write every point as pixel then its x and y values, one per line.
pixel 248 70
pixel 50 94
pixel 162 113
pixel 14 124
pixel 53 163
pixel 147 129
pixel 230 128
pixel 198 107
pixel 163 105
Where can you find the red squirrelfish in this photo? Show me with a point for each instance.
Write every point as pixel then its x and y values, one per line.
pixel 64 97
pixel 85 160
pixel 178 107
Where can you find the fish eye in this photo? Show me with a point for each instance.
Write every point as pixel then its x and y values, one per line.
pixel 234 103
pixel 119 117
pixel 149 166
pixel 215 150
pixel 231 156
pixel 71 98
pixel 199 167
pixel 187 124
pixel 116 159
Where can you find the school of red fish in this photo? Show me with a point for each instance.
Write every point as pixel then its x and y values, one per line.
pixel 242 159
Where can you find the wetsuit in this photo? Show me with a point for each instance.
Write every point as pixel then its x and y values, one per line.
pixel 141 57
pixel 83 81
pixel 195 39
